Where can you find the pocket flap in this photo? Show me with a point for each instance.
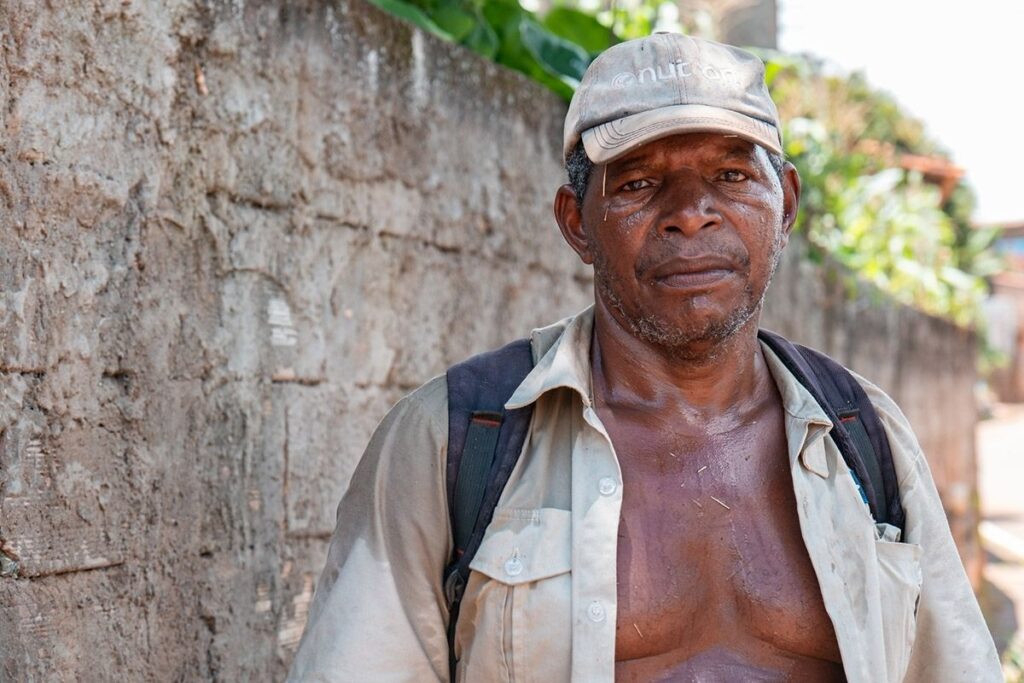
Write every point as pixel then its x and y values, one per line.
pixel 523 545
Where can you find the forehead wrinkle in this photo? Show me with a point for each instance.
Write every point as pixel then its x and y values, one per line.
pixel 616 167
pixel 708 147
pixel 738 153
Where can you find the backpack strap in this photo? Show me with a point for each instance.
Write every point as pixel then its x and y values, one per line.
pixel 856 427
pixel 484 443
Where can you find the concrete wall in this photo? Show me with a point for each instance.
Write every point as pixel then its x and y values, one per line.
pixel 232 238
pixel 232 235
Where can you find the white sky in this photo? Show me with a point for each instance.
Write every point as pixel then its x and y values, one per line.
pixel 958 66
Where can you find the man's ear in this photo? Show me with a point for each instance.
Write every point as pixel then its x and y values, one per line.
pixel 790 197
pixel 570 221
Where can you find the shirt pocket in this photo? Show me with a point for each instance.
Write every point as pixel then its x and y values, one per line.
pixel 518 600
pixel 899 569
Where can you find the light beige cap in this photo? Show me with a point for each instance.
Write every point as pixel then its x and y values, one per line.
pixel 668 83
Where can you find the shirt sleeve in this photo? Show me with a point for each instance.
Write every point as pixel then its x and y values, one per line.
pixel 952 642
pixel 379 612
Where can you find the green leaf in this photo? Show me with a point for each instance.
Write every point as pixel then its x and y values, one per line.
pixel 456 22
pixel 505 19
pixel 483 40
pixel 502 16
pixel 580 28
pixel 412 14
pixel 630 22
pixel 562 59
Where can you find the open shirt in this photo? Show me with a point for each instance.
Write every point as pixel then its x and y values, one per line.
pixel 540 604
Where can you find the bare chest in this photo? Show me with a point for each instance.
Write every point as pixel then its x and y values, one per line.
pixel 710 552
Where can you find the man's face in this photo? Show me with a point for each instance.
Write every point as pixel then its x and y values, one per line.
pixel 684 234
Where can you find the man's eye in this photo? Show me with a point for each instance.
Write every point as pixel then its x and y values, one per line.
pixel 634 185
pixel 733 176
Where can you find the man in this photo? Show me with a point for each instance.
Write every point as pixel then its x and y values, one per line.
pixel 680 511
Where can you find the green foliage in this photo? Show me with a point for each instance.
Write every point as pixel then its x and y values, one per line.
pixel 859 206
pixel 554 50
pixel 632 18
pixel 580 28
pixel 414 15
pixel 1013 660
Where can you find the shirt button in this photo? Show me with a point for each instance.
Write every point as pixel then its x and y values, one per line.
pixel 514 567
pixel 595 612
pixel 607 486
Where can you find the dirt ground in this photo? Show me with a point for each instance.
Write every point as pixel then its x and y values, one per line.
pixel 1001 473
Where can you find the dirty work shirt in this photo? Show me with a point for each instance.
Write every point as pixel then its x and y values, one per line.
pixel 540 603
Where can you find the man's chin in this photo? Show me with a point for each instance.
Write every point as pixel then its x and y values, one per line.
pixel 690 337
pixel 688 341
pixel 699 331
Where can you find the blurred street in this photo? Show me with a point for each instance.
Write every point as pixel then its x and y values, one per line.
pixel 1001 471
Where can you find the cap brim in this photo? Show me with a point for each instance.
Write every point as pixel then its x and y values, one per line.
pixel 609 141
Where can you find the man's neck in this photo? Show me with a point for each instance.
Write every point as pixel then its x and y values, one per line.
pixel 712 386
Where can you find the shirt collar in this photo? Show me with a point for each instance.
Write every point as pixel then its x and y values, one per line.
pixel 563 350
pixel 564 353
pixel 805 418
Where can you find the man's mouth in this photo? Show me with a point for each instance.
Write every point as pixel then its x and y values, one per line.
pixel 686 273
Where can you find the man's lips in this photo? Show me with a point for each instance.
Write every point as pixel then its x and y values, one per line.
pixel 691 272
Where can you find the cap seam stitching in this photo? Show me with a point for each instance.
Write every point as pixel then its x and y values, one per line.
pixel 680 82
pixel 586 108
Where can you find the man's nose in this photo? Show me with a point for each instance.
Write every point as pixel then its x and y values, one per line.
pixel 688 206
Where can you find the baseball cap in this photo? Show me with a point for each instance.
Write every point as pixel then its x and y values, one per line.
pixel 668 83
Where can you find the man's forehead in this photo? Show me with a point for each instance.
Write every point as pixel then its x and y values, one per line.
pixel 692 144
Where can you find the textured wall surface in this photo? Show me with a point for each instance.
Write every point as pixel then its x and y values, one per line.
pixel 232 236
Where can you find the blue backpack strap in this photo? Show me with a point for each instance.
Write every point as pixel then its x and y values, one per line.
pixel 484 443
pixel 856 427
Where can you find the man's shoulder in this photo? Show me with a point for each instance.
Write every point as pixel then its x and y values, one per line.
pixel 903 442
pixel 887 408
pixel 491 371
pixel 542 339
pixel 427 405
pixel 431 398
pixel 431 395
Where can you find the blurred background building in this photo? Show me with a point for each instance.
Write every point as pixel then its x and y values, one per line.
pixel 1006 312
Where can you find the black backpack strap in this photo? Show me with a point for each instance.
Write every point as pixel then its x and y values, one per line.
pixel 484 443
pixel 474 471
pixel 856 427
